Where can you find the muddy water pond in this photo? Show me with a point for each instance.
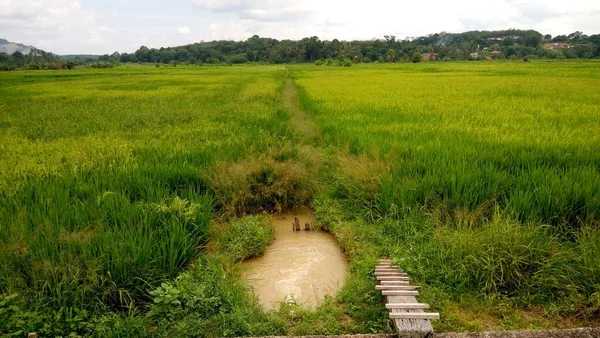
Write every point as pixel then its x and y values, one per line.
pixel 298 266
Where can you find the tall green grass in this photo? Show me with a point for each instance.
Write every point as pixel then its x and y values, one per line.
pixel 524 136
pixel 481 180
pixel 104 190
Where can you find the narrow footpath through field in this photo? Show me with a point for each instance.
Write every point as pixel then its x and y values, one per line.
pixel 299 120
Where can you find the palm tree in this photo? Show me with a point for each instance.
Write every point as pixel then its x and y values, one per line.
pixel 391 55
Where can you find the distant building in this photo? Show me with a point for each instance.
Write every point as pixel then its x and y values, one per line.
pixel 496 53
pixel 556 45
pixel 474 55
pixel 430 56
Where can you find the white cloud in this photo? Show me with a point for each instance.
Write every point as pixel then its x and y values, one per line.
pixel 102 26
pixel 185 30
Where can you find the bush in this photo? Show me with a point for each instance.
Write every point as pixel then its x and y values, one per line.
pixel 6 67
pixel 101 65
pixel 269 183
pixel 211 303
pixel 345 62
pixel 247 237
pixel 416 57
pixel 237 59
pixel 318 63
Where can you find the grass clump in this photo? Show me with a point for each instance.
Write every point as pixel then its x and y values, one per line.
pixel 275 181
pixel 246 237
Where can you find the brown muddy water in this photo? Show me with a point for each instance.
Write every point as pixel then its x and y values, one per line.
pixel 298 266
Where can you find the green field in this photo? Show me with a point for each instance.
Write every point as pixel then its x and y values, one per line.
pixel 481 179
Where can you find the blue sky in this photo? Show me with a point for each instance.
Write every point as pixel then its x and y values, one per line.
pixel 105 26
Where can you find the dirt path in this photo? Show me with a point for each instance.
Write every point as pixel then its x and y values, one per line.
pixel 299 120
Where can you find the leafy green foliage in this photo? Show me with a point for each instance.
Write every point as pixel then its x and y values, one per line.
pixel 207 302
pixel 449 46
pixel 247 237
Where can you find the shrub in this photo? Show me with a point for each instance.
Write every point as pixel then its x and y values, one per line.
pixel 318 63
pixel 268 183
pixel 345 62
pixel 213 303
pixel 247 237
pixel 416 57
pixel 238 58
pixel 101 65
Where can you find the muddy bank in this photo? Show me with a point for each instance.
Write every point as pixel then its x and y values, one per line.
pixel 299 266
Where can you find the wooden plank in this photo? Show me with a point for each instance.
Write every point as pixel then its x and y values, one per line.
pixel 397 287
pixel 399 293
pixel 407 306
pixel 410 315
pixel 394 282
pixel 406 328
pixel 393 273
pixel 382 278
pixel 388 270
pixel 296 224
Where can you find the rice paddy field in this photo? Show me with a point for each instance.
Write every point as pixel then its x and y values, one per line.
pixel 128 196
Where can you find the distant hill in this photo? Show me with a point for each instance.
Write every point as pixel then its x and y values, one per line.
pixel 11 47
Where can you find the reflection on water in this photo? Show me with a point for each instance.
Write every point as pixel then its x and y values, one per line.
pixel 301 266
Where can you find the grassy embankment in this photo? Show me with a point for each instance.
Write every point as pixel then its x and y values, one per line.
pixel 482 179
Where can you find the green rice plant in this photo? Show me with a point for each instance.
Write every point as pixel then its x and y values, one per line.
pixel 480 179
pixel 103 189
pixel 522 135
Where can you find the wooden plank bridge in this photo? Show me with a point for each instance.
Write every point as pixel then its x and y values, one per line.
pixel 406 312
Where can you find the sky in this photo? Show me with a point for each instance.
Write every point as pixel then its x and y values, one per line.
pixel 106 26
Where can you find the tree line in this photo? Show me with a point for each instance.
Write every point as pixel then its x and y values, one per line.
pixel 37 59
pixel 507 44
pixel 472 45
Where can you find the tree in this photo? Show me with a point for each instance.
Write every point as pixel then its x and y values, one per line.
pixel 18 59
pixel 576 36
pixel 143 54
pixel 391 55
pixel 4 58
pixel 560 38
pixel 416 57
pixel 115 57
pixel 532 39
